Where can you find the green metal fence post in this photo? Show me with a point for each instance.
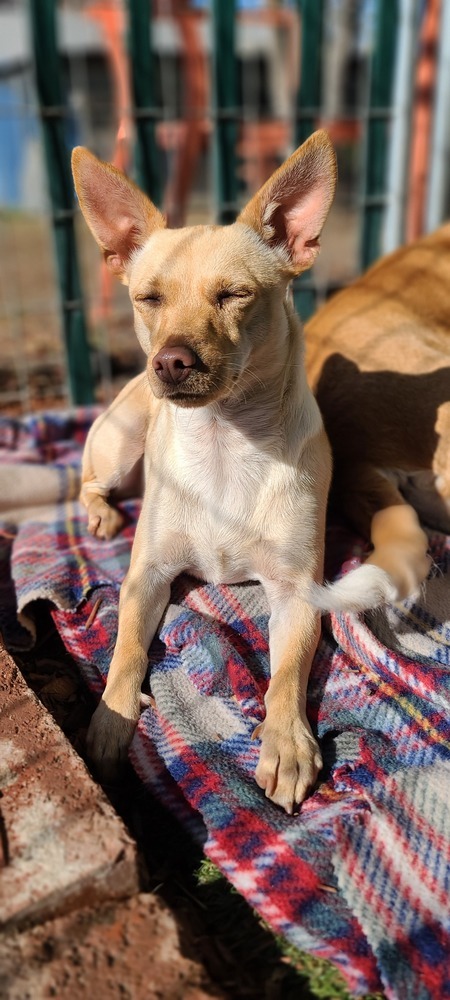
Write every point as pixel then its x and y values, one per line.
pixel 224 71
pixel 145 112
pixel 377 137
pixel 307 111
pixel 54 116
pixel 310 90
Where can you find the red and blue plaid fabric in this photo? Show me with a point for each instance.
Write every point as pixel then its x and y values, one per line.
pixel 362 875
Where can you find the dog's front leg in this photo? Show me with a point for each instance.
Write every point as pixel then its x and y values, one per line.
pixel 113 448
pixel 290 759
pixel 144 596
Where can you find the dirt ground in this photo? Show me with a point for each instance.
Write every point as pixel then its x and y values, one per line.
pixel 128 951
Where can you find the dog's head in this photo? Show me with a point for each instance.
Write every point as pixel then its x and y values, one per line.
pixel 204 297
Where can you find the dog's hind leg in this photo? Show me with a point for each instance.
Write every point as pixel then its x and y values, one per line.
pixel 114 446
pixel 398 563
pixel 441 457
pixel 400 549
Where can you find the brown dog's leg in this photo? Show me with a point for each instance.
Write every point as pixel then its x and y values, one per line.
pixel 400 547
pixel 290 758
pixel 377 509
pixel 441 458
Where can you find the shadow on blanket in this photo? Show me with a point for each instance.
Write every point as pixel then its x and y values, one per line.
pixel 377 829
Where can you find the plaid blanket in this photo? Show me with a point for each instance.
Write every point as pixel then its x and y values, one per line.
pixel 362 875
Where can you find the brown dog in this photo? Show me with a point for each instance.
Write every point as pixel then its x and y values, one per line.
pixel 378 360
pixel 237 464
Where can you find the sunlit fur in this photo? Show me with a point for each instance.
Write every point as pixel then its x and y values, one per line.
pixel 237 465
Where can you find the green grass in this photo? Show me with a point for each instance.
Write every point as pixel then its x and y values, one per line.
pixel 247 935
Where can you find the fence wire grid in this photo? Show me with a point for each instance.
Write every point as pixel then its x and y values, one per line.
pixel 200 101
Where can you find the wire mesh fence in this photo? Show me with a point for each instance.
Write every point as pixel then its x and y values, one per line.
pixel 199 100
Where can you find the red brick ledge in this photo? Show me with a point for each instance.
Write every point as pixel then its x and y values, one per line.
pixel 62 846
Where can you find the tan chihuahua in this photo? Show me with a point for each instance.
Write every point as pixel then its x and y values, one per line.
pixel 378 359
pixel 237 464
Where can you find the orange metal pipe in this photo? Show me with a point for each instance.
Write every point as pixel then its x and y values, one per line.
pixel 422 120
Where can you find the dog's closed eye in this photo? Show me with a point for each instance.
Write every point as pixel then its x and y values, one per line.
pixel 225 295
pixel 150 298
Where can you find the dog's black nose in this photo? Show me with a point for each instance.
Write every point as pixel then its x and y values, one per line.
pixel 174 364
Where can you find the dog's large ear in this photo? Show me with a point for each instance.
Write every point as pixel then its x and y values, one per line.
pixel 291 207
pixel 119 215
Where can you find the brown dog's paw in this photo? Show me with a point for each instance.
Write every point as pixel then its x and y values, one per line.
pixel 103 521
pixel 109 736
pixel 289 763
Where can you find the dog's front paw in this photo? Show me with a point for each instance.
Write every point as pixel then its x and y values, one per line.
pixel 109 736
pixel 104 521
pixel 289 763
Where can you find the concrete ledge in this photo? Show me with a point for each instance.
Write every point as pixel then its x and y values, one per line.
pixel 62 845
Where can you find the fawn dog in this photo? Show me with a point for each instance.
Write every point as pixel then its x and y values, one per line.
pixel 237 464
pixel 378 359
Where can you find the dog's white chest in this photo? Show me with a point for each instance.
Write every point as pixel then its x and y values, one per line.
pixel 224 493
pixel 218 467
pixel 226 500
pixel 210 488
